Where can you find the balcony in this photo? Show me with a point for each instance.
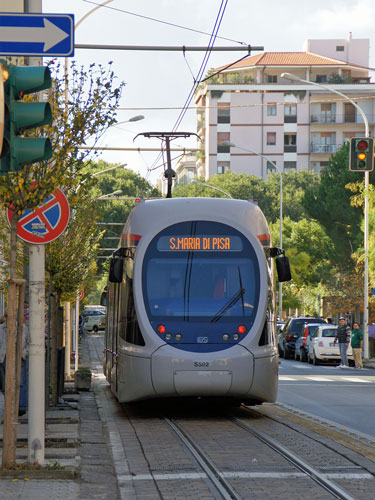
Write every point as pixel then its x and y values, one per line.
pixel 290 148
pixel 324 148
pixel 339 118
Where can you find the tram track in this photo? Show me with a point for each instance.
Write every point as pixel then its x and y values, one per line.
pixel 221 480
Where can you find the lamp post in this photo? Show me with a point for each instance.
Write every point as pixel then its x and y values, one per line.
pixel 104 196
pixel 212 187
pixel 296 78
pixel 230 144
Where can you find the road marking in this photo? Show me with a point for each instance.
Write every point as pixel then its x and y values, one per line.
pixel 318 379
pixel 356 379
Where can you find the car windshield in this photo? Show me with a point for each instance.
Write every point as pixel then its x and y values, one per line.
pixel 329 332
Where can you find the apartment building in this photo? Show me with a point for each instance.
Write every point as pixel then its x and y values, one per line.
pixel 296 125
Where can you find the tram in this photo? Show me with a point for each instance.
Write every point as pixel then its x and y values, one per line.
pixel 191 304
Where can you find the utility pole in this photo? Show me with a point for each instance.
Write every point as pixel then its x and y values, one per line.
pixel 169 173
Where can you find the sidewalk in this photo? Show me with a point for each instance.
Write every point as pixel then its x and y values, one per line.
pixel 77 440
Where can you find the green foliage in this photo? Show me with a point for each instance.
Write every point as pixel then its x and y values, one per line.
pixel 330 203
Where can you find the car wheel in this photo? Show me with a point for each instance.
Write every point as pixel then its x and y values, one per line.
pixel 95 328
pixel 303 356
pixel 281 353
pixel 309 360
pixel 315 360
pixel 287 354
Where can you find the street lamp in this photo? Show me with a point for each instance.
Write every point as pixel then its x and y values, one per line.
pixel 212 187
pixel 123 165
pixel 132 119
pixel 296 78
pixel 104 196
pixel 230 144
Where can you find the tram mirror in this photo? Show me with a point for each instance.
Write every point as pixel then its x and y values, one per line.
pixel 283 269
pixel 115 270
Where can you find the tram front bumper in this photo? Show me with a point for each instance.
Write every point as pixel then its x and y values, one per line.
pixel 227 373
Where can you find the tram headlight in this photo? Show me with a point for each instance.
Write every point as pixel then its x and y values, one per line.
pixel 178 336
pixel 236 336
pixel 168 336
pixel 226 336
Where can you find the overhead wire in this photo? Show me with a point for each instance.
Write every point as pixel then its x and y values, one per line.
pixel 201 71
pixel 174 25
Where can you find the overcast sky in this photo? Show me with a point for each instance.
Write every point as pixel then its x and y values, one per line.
pixel 164 79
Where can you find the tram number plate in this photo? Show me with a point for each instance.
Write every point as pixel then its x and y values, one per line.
pixel 202 340
pixel 201 364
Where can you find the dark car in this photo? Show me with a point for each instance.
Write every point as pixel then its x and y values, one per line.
pixel 291 331
pixel 303 341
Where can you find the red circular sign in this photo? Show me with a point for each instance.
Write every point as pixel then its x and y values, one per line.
pixel 46 222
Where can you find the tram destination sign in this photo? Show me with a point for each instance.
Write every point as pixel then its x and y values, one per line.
pixel 37 34
pixel 201 243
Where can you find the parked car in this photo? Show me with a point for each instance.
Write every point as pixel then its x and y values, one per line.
pixel 322 347
pixel 303 341
pixel 290 333
pixel 94 320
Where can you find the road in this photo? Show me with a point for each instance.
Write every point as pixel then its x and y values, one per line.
pixel 343 396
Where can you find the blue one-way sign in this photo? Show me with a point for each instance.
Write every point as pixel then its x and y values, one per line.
pixel 37 34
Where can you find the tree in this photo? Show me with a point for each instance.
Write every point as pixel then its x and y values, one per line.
pixel 330 204
pixel 91 108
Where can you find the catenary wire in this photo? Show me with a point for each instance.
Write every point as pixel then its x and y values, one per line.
pixel 163 22
pixel 201 70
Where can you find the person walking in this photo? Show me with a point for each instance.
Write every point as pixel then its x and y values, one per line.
pixel 357 345
pixel 343 336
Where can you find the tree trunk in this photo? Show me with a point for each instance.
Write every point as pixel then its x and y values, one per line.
pixel 11 402
pixel 53 374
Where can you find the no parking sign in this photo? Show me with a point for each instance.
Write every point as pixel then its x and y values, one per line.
pixel 46 222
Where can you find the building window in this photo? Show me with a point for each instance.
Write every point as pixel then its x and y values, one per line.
pixel 222 167
pixel 290 143
pixel 290 113
pixel 271 109
pixel 223 137
pixel 271 138
pixel 290 166
pixel 339 48
pixel 223 112
pixel 321 78
pixel 271 78
pixel 270 168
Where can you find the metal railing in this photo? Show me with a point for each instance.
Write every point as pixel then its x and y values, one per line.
pixel 339 118
pixel 325 148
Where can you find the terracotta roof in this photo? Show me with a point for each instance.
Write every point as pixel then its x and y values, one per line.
pixel 289 59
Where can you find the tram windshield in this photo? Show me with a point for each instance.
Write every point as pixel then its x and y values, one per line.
pixel 200 271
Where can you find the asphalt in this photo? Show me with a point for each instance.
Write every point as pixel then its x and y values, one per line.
pixel 77 449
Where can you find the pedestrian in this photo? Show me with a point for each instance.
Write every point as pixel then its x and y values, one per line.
pixel 357 345
pixel 343 336
pixel 329 321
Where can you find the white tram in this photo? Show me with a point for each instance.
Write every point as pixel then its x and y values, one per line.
pixel 190 303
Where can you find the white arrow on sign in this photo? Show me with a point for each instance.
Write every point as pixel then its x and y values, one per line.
pixel 50 35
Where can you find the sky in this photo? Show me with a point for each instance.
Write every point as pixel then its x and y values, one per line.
pixel 164 79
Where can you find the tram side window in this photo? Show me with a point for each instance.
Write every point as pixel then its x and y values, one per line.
pixel 129 328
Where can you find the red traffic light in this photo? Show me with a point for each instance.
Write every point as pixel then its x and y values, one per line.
pixel 362 145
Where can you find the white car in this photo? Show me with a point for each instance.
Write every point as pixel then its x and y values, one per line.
pixel 94 320
pixel 322 347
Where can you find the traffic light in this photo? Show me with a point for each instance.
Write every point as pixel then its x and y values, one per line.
pixel 19 115
pixel 361 156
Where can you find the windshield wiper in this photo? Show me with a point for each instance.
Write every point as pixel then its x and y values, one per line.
pixel 231 302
